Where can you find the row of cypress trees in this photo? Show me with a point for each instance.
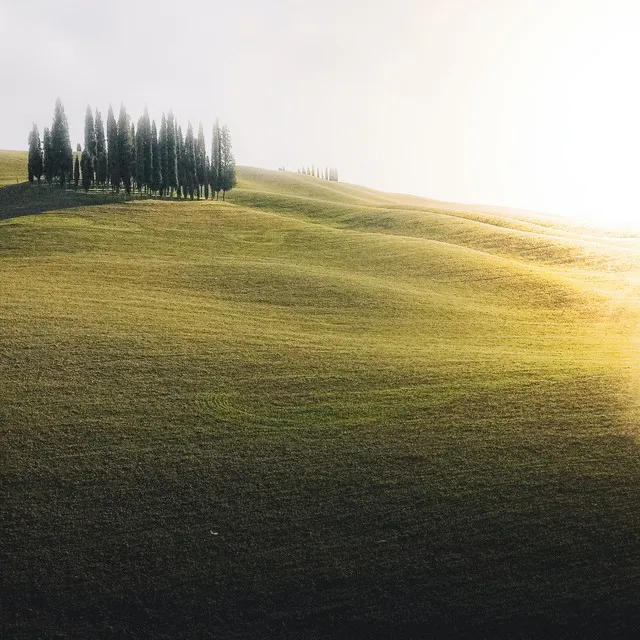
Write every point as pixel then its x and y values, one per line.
pixel 144 159
pixel 317 172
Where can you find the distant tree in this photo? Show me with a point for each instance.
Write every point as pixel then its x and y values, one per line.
pixel 201 156
pixel 125 153
pixel 172 154
pixel 190 169
pixel 47 163
pixel 180 160
pixel 228 163
pixel 147 150
pixel 76 172
pixel 35 161
pixel 164 157
pixel 62 156
pixel 114 151
pixel 100 162
pixel 87 169
pixel 90 142
pixel 132 160
pixel 156 172
pixel 207 173
pixel 140 154
pixel 216 161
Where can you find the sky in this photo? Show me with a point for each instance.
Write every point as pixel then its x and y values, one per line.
pixel 530 104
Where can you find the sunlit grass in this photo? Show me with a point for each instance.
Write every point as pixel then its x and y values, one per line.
pixel 315 410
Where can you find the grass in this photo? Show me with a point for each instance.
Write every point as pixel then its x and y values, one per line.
pixel 314 411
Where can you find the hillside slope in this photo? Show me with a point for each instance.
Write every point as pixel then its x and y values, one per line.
pixel 314 410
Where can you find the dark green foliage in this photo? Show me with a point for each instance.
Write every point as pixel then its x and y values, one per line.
pixel 140 154
pixel 201 157
pixel 86 165
pixel 62 156
pixel 90 146
pixel 35 161
pixel 132 147
pixel 182 172
pixel 114 152
pixel 207 173
pixel 100 163
pixel 147 149
pixel 190 170
pixel 90 139
pixel 172 154
pixel 76 172
pixel 156 172
pixel 216 160
pixel 125 151
pixel 228 163
pixel 47 158
pixel 164 155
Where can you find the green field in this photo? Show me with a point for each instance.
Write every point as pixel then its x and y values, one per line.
pixel 314 411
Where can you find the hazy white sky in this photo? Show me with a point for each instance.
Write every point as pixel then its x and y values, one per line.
pixel 524 103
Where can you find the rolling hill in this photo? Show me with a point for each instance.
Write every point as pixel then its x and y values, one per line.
pixel 314 410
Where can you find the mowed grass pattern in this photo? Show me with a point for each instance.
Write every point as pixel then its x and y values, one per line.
pixel 314 411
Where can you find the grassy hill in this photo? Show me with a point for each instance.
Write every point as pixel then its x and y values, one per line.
pixel 315 410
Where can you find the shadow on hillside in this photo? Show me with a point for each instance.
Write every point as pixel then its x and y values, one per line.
pixel 25 199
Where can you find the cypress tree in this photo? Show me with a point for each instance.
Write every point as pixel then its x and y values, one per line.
pixel 207 173
pixel 101 151
pixel 140 169
pixel 86 167
pixel 180 159
pixel 61 153
pixel 132 159
pixel 228 163
pixel 156 174
pixel 201 157
pixel 90 142
pixel 47 162
pixel 76 172
pixel 164 158
pixel 216 160
pixel 147 150
pixel 35 162
pixel 124 148
pixel 190 169
pixel 172 154
pixel 114 152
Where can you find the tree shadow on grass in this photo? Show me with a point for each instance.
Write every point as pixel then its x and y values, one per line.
pixel 25 199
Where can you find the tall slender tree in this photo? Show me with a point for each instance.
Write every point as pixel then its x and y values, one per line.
pixel 86 169
pixel 164 155
pixel 125 154
pixel 147 150
pixel 76 172
pixel 190 168
pixel 228 163
pixel 132 151
pixel 201 156
pixel 114 151
pixel 35 162
pixel 100 164
pixel 207 173
pixel 90 142
pixel 156 173
pixel 216 161
pixel 47 161
pixel 172 154
pixel 140 154
pixel 62 155
pixel 180 158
